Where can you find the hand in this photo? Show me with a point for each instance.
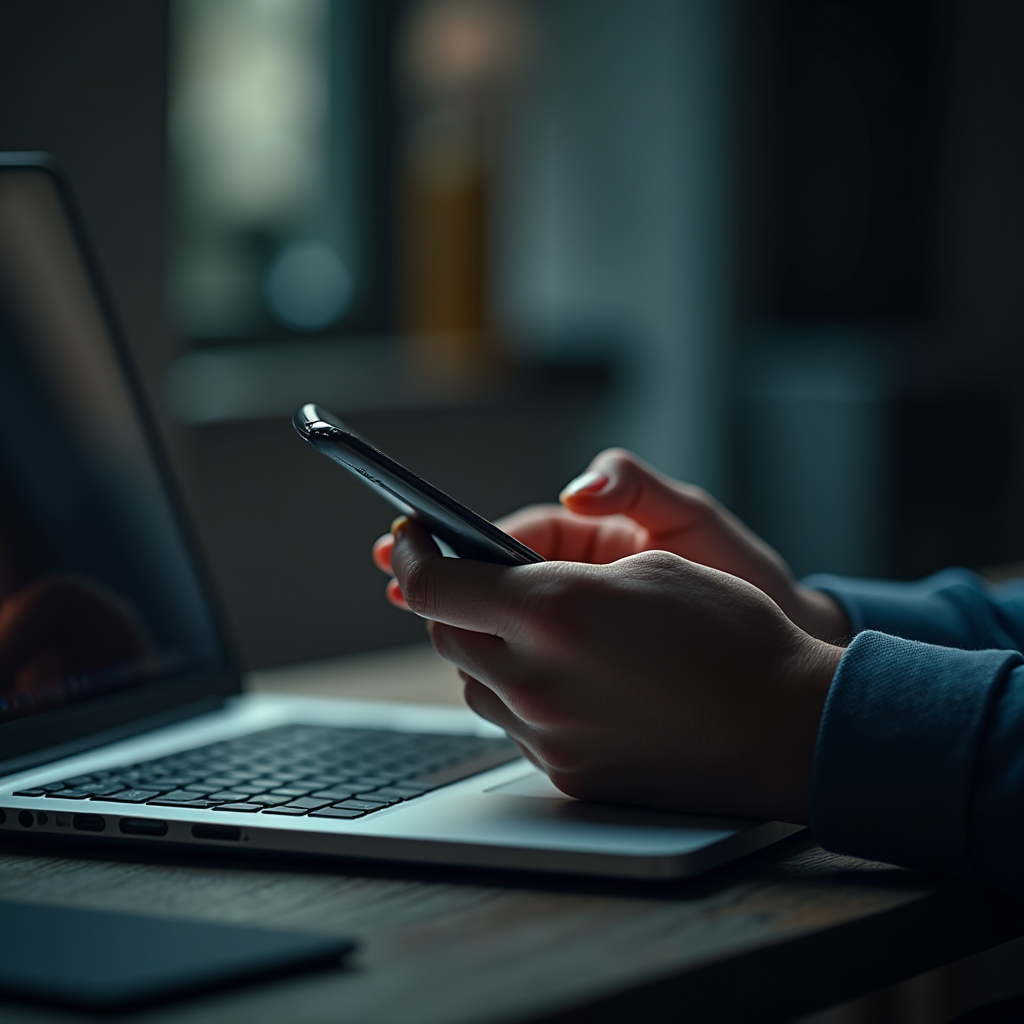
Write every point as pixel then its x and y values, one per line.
pixel 649 680
pixel 662 513
pixel 621 506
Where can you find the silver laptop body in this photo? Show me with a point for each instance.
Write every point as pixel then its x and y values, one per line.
pixel 116 678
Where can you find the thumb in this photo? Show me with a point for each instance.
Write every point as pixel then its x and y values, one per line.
pixel 618 482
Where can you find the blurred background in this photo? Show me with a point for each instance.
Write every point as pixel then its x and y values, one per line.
pixel 774 246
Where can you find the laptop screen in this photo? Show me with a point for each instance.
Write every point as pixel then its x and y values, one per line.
pixel 99 590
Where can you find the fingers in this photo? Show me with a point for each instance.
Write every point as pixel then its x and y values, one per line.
pixel 617 481
pixel 560 535
pixel 382 552
pixel 535 526
pixel 393 592
pixel 473 595
pixel 488 705
pixel 382 548
pixel 485 657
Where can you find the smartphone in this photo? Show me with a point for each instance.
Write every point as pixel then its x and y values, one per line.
pixel 458 530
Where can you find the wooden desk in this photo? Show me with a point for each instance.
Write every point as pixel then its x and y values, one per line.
pixel 783 933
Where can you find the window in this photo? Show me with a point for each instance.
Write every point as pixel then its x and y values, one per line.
pixel 281 120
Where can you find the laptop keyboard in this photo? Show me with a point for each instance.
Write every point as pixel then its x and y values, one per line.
pixel 294 770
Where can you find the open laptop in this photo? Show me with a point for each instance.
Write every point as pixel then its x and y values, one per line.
pixel 122 714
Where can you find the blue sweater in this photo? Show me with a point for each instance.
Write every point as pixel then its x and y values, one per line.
pixel 920 753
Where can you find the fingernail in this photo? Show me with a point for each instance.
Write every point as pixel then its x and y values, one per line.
pixel 589 483
pixel 399 525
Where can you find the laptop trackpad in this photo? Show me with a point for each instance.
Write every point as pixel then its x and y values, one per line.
pixel 534 784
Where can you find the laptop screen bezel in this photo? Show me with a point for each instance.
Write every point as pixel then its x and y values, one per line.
pixel 87 723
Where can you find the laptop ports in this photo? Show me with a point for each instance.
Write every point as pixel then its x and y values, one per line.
pixel 88 822
pixel 228 832
pixel 143 827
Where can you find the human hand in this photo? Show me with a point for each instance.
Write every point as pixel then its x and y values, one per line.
pixel 650 511
pixel 650 680
pixel 621 506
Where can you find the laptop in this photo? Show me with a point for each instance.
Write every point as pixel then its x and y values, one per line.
pixel 123 715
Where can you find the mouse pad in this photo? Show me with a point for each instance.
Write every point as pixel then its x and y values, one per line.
pixel 101 960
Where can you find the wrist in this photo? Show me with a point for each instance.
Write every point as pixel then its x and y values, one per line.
pixel 803 691
pixel 822 616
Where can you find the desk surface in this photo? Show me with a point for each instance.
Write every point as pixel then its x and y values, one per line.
pixel 781 934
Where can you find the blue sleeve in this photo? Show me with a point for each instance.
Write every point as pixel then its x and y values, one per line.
pixel 954 608
pixel 903 772
pixel 920 753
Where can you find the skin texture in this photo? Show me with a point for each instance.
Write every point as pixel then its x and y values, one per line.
pixel 662 656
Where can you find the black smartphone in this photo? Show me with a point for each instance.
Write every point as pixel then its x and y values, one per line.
pixel 459 530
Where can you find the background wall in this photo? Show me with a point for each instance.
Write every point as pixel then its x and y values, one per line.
pixel 615 206
pixel 88 83
pixel 779 245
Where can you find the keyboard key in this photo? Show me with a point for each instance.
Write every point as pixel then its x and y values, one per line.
pixel 310 803
pixel 29 792
pixel 369 781
pixel 318 781
pixel 214 782
pixel 161 802
pixel 179 794
pixel 97 789
pixel 131 796
pixel 284 769
pixel 394 793
pixel 168 781
pixel 79 780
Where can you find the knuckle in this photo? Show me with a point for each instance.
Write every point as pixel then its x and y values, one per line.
pixel 624 467
pixel 558 608
pixel 419 589
pixel 531 704
pixel 519 608
pixel 655 564
pixel 623 456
